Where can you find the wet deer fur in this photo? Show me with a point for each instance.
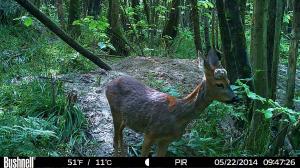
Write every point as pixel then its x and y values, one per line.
pixel 161 117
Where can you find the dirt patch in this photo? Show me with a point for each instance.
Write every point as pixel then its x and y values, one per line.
pixel 91 92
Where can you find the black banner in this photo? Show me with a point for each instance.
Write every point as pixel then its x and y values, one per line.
pixel 76 162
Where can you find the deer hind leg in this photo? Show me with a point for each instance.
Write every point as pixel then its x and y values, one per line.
pixel 148 141
pixel 118 132
pixel 121 143
pixel 162 148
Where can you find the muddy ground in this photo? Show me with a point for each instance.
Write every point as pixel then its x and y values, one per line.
pixel 90 88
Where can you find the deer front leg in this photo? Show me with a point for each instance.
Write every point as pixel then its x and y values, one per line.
pixel 148 141
pixel 162 148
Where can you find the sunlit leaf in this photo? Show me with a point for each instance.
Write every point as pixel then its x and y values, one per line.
pixel 101 45
pixel 268 113
pixel 292 118
pixel 27 21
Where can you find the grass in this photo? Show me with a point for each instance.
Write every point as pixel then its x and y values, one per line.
pixel 208 136
pixel 32 126
pixel 31 123
pixel 26 52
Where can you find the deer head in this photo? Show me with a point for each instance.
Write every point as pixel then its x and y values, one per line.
pixel 217 83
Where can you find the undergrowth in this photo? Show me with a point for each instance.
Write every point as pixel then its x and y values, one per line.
pixel 33 121
pixel 31 125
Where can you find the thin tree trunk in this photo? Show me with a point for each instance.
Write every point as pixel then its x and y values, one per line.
pixel 238 40
pixel 60 33
pixel 93 8
pixel 74 14
pixel 226 42
pixel 278 141
pixel 171 27
pixel 206 34
pixel 153 18
pixel 217 35
pixel 259 134
pixel 115 32
pixel 293 53
pixel 243 5
pixel 196 26
pixel 213 27
pixel 147 11
pixel 60 13
pixel 37 3
pixel 135 4
pixel 270 35
pixel 277 35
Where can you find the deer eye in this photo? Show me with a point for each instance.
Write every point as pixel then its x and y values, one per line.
pixel 220 85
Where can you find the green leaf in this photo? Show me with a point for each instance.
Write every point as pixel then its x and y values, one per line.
pixel 292 118
pixel 92 25
pixel 211 5
pixel 268 113
pixel 77 22
pixel 27 21
pixel 235 87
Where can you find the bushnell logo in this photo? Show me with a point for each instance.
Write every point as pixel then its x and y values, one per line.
pixel 18 162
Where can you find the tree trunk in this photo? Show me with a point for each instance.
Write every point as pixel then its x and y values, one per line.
pixel 147 11
pixel 206 34
pixel 243 5
pixel 217 34
pixel 196 26
pixel 185 14
pixel 93 8
pixel 277 35
pixel 60 33
pixel 259 133
pixel 238 40
pixel 270 37
pixel 115 32
pixel 213 27
pixel 226 42
pixel 74 14
pixel 37 3
pixel 293 52
pixel 135 5
pixel 60 13
pixel 171 27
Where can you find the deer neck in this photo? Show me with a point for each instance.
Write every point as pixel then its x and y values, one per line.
pixel 194 103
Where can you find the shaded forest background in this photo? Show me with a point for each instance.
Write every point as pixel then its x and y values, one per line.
pixel 255 38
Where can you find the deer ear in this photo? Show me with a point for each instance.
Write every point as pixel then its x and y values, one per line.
pixel 212 60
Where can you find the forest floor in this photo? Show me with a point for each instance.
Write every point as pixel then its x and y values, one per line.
pixel 182 73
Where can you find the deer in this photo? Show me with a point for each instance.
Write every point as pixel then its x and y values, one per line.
pixel 161 117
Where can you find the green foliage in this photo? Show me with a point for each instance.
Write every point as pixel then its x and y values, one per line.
pixel 212 134
pixel 184 44
pixel 9 10
pixel 96 27
pixel 26 136
pixel 272 107
pixel 162 86
pixel 26 20
pixel 28 116
pixel 287 17
pixel 206 4
pixel 162 11
pixel 31 124
pixel 25 52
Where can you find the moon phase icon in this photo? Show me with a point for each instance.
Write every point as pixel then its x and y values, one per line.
pixel 147 162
